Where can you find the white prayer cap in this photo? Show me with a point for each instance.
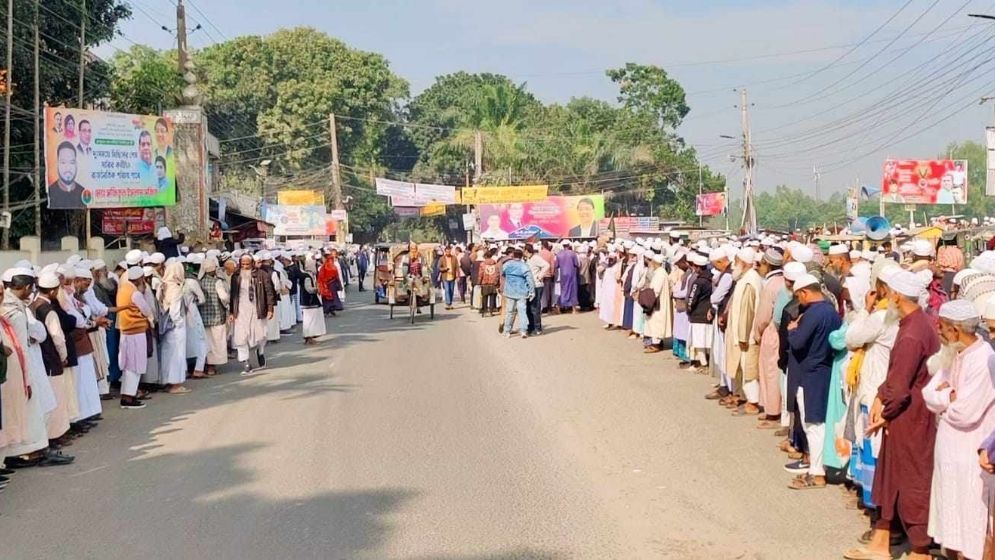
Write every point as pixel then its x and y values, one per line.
pixel 196 258
pixel 858 286
pixel 793 271
pixel 23 263
pixel 133 257
pixel 906 283
pixel 658 258
pixel 658 245
pixel 10 273
pixel 638 251
pixel 217 253
pixel 565 242
pixel 73 259
pixel 53 268
pixel 869 255
pixel 97 264
pixel 801 253
pixel 157 258
pixel 838 250
pixel 698 259
pixel 627 244
pixel 67 272
pixel 989 314
pixel 925 276
pixel 805 281
pixel 717 254
pixel 985 262
pixel 148 270
pixel 163 233
pixel 675 235
pixel 123 265
pixel 134 273
pixel 855 255
pixel 746 255
pixel 959 310
pixel 886 273
pixel 922 248
pixel 83 273
pixel 963 273
pixel 48 280
pixel 184 249
pixel 862 269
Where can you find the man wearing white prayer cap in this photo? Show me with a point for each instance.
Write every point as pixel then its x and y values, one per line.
pixel 869 255
pixel 721 293
pixel 903 475
pixel 801 253
pixel 167 244
pixel 742 350
pixel 856 256
pixel 839 261
pixel 810 359
pixel 133 257
pixel 86 373
pixel 960 395
pixel 133 322
pixel 71 260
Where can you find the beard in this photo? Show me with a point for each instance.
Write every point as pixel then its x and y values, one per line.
pixel 738 271
pixel 107 284
pixel 892 315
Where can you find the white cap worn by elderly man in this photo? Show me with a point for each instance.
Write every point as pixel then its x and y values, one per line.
pixel 959 310
pixel 698 259
pixel 907 284
pixel 10 273
pixel 658 258
pixel 135 272
pixel 802 253
pixel 133 257
pixel 869 255
pixel 48 280
pixel 747 255
pixel 83 273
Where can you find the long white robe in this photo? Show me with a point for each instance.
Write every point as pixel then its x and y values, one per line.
pixel 24 430
pixel 286 307
pixel 659 325
pixel 153 374
pixel 876 335
pixel 173 352
pixel 196 346
pixel 249 330
pixel 607 290
pixel 961 491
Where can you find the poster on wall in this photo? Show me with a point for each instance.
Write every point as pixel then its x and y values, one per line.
pixel 95 159
pixel 130 221
pixel 917 181
pixel 554 217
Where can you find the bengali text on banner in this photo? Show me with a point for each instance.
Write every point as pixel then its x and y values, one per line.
pixel 421 193
pixel 913 181
pixel 296 220
pixel 504 195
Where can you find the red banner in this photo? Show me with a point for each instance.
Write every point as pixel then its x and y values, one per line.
pixel 913 181
pixel 710 204
pixel 133 221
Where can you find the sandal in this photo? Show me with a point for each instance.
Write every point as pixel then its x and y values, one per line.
pixel 768 425
pixel 808 482
pixel 864 553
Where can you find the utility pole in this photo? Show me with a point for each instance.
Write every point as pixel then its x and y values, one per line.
pixel 340 235
pixel 37 109
pixel 817 175
pixel 181 36
pixel 700 217
pixel 82 68
pixel 8 92
pixel 478 157
pixel 749 221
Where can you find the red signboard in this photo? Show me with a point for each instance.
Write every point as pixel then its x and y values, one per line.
pixel 913 181
pixel 131 221
pixel 710 204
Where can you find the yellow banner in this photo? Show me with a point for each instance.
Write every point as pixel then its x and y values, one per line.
pixel 432 209
pixel 300 198
pixel 503 195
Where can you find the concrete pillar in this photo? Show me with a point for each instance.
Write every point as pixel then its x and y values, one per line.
pixel 31 245
pixel 190 214
pixel 95 248
pixel 70 243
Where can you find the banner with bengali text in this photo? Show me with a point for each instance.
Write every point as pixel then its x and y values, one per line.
pixel 504 195
pixel 300 198
pixel 96 159
pixel 554 217
pixel 131 221
pixel 296 220
pixel 710 204
pixel 626 224
pixel 914 181
pixel 418 194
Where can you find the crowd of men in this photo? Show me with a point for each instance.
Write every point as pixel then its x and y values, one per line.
pixel 875 368
pixel 77 334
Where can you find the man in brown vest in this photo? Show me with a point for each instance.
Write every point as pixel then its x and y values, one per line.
pixel 135 347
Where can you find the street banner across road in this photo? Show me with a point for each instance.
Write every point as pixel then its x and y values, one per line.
pixel 710 204
pixel 503 195
pixel 556 216
pixel 297 220
pixel 300 198
pixel 912 181
pixel 95 159
pixel 419 194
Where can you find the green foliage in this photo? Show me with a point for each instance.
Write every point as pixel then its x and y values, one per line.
pixel 788 209
pixel 146 81
pixel 649 90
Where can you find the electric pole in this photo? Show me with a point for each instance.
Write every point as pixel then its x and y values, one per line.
pixel 37 110
pixel 181 36
pixel 336 178
pixel 8 92
pixel 817 176
pixel 749 210
pixel 478 157
pixel 82 68
pixel 700 217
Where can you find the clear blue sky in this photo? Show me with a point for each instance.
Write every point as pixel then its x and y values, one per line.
pixel 907 98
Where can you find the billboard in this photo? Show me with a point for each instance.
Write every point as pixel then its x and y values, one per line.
pixel 914 181
pixel 710 204
pixel 415 194
pixel 556 216
pixel 626 224
pixel 300 198
pixel 296 220
pixel 95 159
pixel 132 221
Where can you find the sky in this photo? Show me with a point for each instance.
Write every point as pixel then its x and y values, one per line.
pixel 833 85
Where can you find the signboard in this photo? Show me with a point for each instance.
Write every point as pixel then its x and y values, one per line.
pixel 503 195
pixel 852 204
pixel 132 221
pixel 433 210
pixel 419 193
pixel 407 211
pixel 300 198
pixel 626 224
pixel 296 220
pixel 95 159
pixel 340 215
pixel 710 204
pixel 469 222
pixel 556 216
pixel 911 181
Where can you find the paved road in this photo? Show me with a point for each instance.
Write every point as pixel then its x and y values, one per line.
pixel 440 440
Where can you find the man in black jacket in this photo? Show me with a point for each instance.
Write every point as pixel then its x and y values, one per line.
pixel 250 311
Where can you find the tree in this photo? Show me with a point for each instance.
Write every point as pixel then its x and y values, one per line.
pixel 146 81
pixel 649 90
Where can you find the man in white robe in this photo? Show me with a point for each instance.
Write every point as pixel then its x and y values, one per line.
pixel 742 351
pixel 962 396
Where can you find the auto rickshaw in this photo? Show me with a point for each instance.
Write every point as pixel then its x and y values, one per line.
pixel 403 288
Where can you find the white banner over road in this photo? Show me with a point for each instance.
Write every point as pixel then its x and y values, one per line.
pixel 417 194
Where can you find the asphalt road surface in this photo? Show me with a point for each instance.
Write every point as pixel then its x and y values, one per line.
pixel 439 440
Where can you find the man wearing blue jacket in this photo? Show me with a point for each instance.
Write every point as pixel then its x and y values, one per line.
pixel 519 288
